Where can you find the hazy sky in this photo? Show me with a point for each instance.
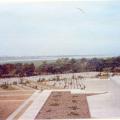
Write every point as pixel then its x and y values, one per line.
pixel 59 28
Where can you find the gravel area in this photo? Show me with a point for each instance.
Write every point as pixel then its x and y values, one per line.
pixel 64 105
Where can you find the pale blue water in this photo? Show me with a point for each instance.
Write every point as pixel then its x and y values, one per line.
pixel 36 58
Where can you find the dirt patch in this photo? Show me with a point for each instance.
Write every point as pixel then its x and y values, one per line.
pixel 64 105
pixel 7 107
pixel 15 92
pixel 10 101
pixel 21 97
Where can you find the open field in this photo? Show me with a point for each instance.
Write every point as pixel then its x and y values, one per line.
pixel 37 63
pixel 59 81
pixel 8 107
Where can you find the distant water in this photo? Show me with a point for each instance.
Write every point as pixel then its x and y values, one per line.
pixel 36 58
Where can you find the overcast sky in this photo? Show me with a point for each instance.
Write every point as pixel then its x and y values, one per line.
pixel 59 28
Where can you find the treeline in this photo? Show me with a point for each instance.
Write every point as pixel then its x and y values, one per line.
pixel 60 66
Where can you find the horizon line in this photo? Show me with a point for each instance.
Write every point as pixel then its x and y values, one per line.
pixel 58 55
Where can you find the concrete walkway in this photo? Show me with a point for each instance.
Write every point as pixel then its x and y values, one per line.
pixel 14 114
pixel 106 105
pixel 30 108
pixel 35 107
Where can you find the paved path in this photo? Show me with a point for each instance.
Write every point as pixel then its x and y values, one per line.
pixel 35 107
pixel 106 105
pixel 14 114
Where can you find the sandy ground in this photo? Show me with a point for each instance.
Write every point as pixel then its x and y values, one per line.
pixel 7 107
pixel 15 92
pixel 10 101
pixel 18 97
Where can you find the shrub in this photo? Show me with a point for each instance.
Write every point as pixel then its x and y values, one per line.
pixel 21 81
pixel 74 101
pixel 14 83
pixel 73 113
pixel 54 104
pixel 27 82
pixel 5 86
pixel 39 80
pixel 43 79
pixel 48 110
pixel 73 107
pixel 35 87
